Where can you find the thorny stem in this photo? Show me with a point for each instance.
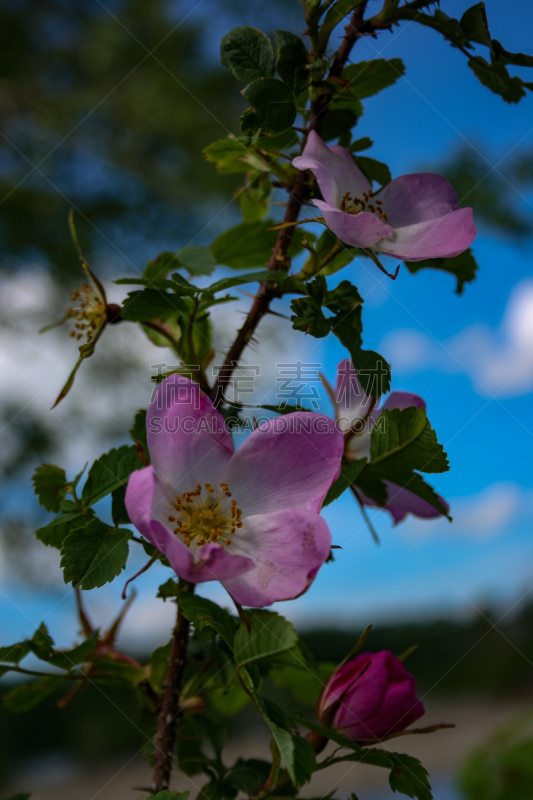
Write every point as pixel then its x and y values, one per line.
pixel 170 705
pixel 279 259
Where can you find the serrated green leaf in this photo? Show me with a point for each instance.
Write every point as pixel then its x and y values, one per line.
pixel 367 78
pixel 496 78
pixel 293 60
pixel 339 120
pixel 283 738
pixel 119 512
pixel 202 612
pixel 273 105
pixel 197 260
pixel 397 430
pixel 505 57
pixel 50 486
pixel 42 643
pixel 167 589
pixel 138 430
pixel 409 777
pixel 159 665
pixel 110 668
pixel 269 634
pixel 475 25
pixel 374 171
pixel 94 555
pixel 109 472
pixel 348 475
pixel 12 654
pixel 249 776
pixel 304 684
pixel 53 534
pixel 248 277
pixel 227 154
pixel 250 245
pixel 67 659
pixel 151 304
pixel 463 267
pixel 336 13
pixel 159 268
pixel 248 53
pixel 24 698
pixel 304 760
pixel 361 144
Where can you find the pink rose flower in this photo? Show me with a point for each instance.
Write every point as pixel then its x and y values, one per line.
pixel 413 218
pixel 356 409
pixel 370 698
pixel 250 518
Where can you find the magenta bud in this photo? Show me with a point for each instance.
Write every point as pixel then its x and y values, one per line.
pixel 370 698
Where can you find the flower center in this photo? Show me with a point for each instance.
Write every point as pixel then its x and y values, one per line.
pixel 89 314
pixel 206 515
pixel 356 205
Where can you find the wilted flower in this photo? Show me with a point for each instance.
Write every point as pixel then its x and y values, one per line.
pixel 250 518
pixel 370 698
pixel 358 412
pixel 413 218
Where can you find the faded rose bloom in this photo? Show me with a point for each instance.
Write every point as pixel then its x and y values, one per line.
pixel 250 518
pixel 413 218
pixel 370 698
pixel 358 410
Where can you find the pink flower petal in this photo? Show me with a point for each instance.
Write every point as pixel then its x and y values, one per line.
pixel 357 230
pixel 411 199
pixel 364 698
pixel 139 500
pixel 443 237
pixel 188 438
pixel 398 709
pixel 208 563
pixel 401 502
pixel 288 548
pixel 334 168
pixel 351 401
pixel 288 462
pixel 403 400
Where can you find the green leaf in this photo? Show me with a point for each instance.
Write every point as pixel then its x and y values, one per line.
pixel 217 790
pixel 159 268
pixel 348 475
pixel 202 612
pixel 292 62
pixel 504 57
pixel 361 144
pixel 53 534
pixel 227 154
pixel 269 634
pixel 197 260
pixel 94 555
pixel 12 654
pixel 273 105
pixel 24 698
pixel 367 78
pixel 250 245
pixel 159 665
pixel 282 737
pixel 403 441
pixel 138 430
pixel 305 684
pixel 336 13
pixel 151 304
pixel 109 668
pixel 409 777
pixel 109 472
pixel 249 776
pixel 475 25
pixel 50 486
pixel 119 513
pixel 464 267
pixel 304 760
pixel 77 655
pixel 496 78
pixel 42 643
pixel 248 277
pixel 248 53
pixel 374 170
pixel 167 589
pixel 339 120
pixel 228 700
pixel 167 794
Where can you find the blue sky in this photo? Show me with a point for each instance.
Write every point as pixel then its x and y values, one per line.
pixel 452 350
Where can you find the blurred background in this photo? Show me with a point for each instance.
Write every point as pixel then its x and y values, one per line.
pixel 105 108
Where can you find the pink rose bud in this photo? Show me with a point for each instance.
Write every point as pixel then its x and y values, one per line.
pixel 369 698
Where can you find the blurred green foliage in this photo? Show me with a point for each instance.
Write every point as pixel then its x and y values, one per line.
pixel 502 769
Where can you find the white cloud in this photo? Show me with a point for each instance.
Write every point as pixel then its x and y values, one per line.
pixel 497 361
pixel 488 514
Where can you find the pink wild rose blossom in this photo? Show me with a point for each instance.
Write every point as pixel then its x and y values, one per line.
pixel 413 218
pixel 357 410
pixel 370 698
pixel 249 518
